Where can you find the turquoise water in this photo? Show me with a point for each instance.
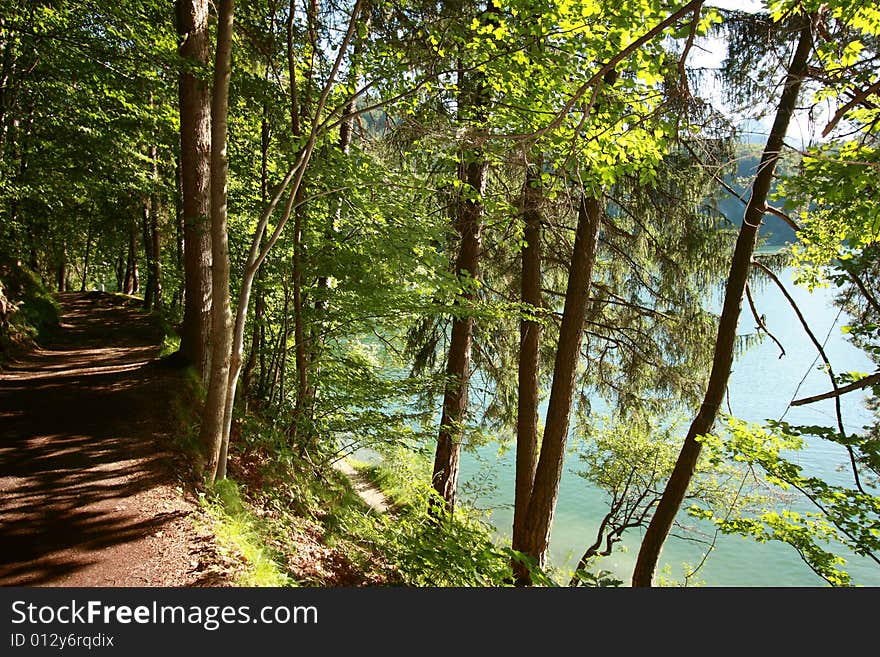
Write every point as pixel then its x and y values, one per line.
pixel 761 387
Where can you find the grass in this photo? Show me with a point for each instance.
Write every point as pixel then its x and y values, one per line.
pixel 170 344
pixel 240 537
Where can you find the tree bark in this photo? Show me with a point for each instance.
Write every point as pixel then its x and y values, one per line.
pixel 676 487
pixel 542 502
pixel 529 359
pixel 213 434
pixel 195 162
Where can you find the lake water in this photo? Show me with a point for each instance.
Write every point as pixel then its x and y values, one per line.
pixel 761 387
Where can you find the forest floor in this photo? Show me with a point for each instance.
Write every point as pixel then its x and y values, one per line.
pixel 91 492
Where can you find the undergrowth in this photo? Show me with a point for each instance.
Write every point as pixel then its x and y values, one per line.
pixel 313 529
pixel 240 537
pixel 29 314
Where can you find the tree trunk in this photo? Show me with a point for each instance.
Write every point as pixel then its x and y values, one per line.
pixel 146 222
pixel 258 331
pixel 120 273
pixel 542 502
pixel 301 352
pixel 195 162
pixel 156 267
pixel 256 256
pixel 529 358
pixel 299 109
pixel 62 269
pixel 469 226
pixel 85 274
pixel 154 237
pixel 676 487
pixel 178 237
pixel 473 100
pixel 255 352
pixel 213 434
pixel 152 242
pixel 132 282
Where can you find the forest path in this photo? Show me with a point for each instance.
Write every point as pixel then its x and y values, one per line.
pixel 88 489
pixel 371 494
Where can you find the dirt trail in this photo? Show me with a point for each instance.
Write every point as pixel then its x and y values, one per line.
pixel 371 494
pixel 88 493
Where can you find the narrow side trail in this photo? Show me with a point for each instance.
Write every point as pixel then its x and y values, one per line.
pixel 88 490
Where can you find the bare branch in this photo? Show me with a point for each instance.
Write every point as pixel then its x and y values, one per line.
pixel 761 325
pixel 821 350
pixel 739 197
pixel 851 387
pixel 682 72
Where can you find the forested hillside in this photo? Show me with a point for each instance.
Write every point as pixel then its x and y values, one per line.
pixel 408 228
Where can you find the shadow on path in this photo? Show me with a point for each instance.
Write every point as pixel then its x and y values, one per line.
pixel 88 497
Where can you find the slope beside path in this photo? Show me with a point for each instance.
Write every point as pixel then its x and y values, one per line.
pixel 88 490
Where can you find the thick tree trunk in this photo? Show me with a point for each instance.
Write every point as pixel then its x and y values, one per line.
pixel 213 434
pixel 529 358
pixel 676 487
pixel 545 490
pixel 195 158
